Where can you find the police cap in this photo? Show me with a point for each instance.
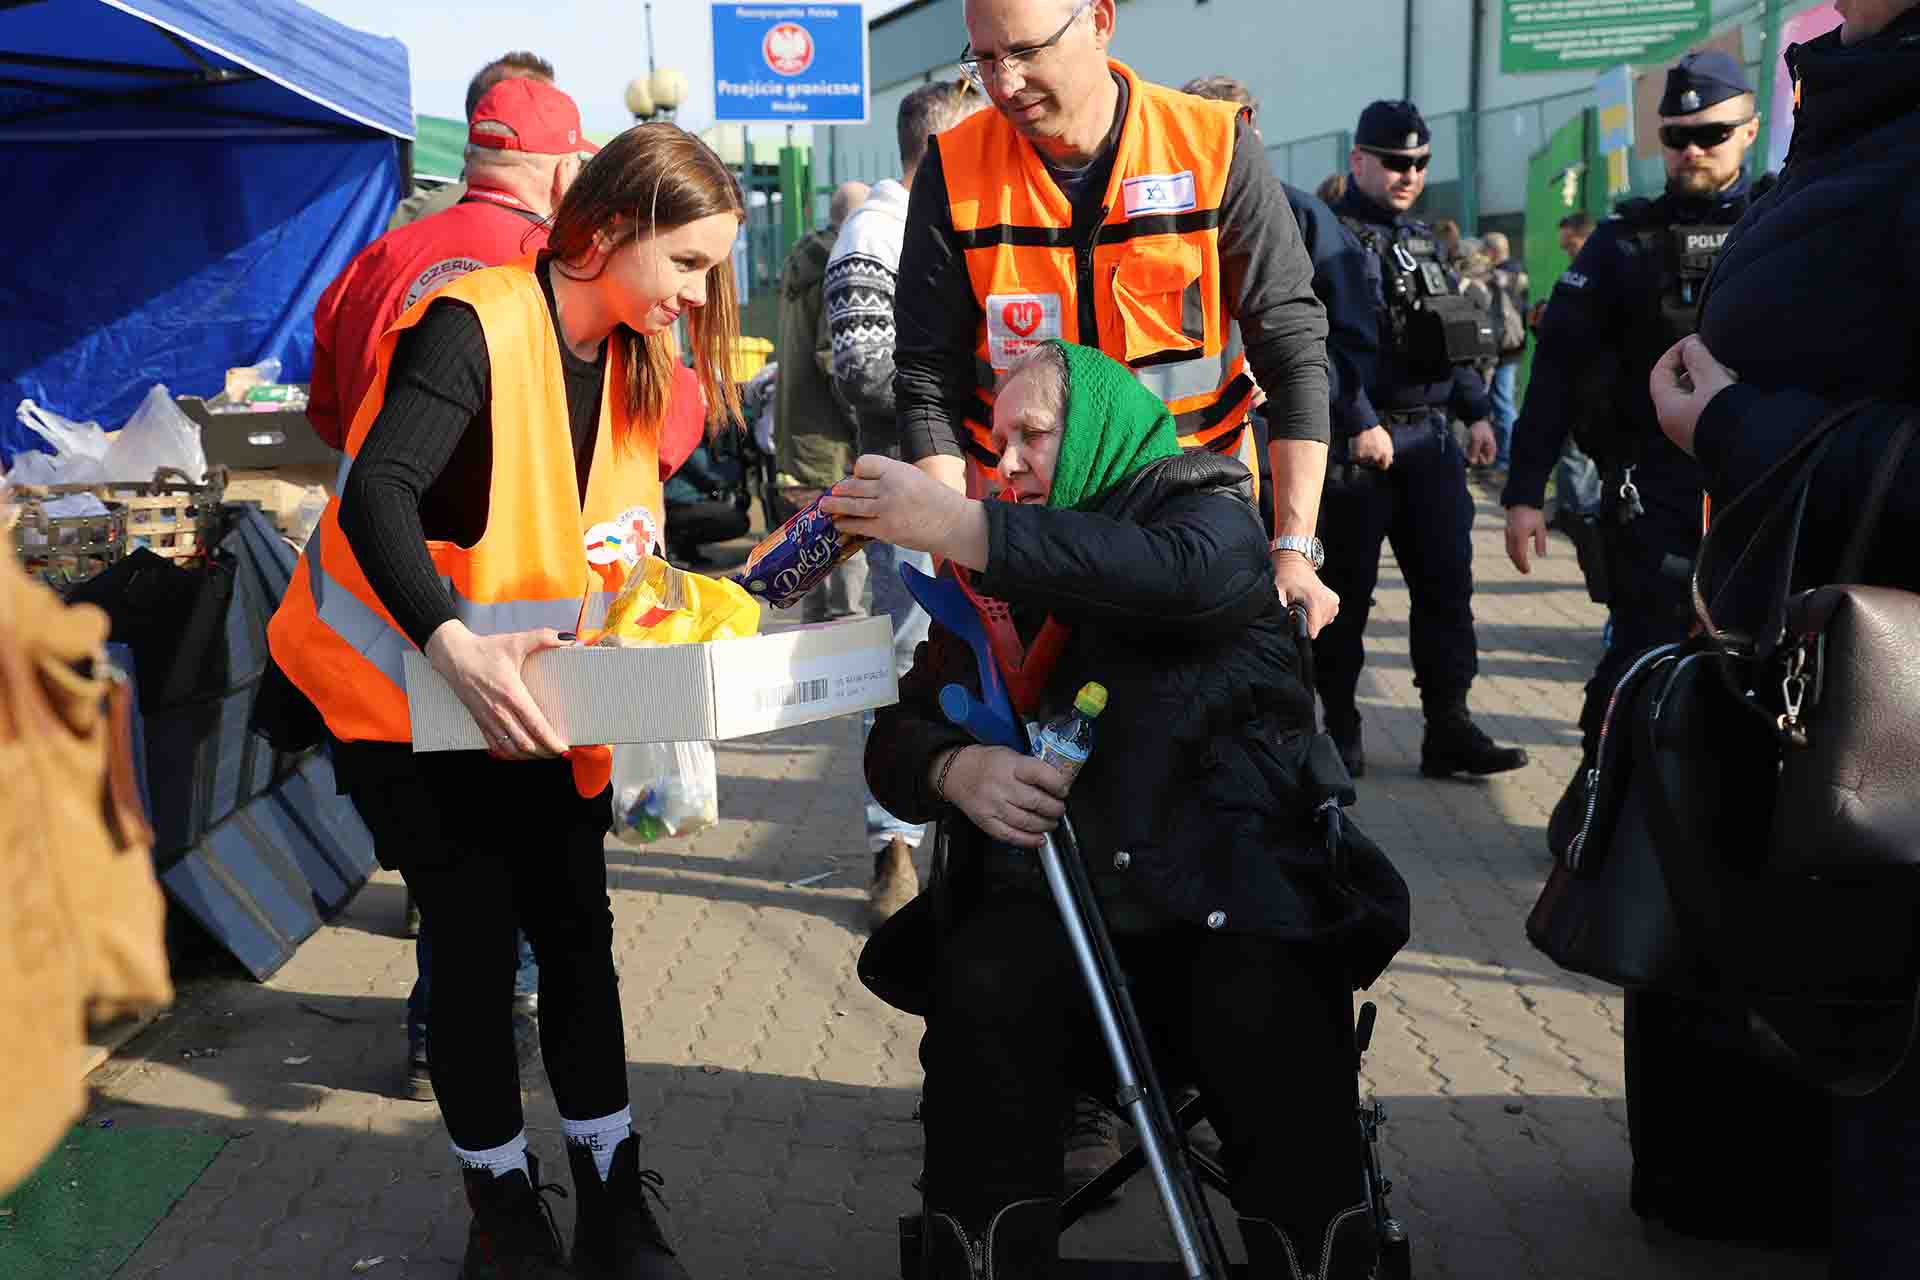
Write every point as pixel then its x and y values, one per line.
pixel 1701 79
pixel 1392 126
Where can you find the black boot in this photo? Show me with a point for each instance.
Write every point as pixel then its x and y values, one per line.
pixel 512 1236
pixel 1019 1242
pixel 1344 729
pixel 615 1235
pixel 1455 744
pixel 1347 1250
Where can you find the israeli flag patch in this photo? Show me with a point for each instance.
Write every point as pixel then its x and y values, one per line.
pixel 1160 193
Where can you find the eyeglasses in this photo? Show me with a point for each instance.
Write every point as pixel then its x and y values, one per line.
pixel 1399 162
pixel 1678 137
pixel 977 69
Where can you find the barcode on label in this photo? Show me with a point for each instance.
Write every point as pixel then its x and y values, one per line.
pixel 790 695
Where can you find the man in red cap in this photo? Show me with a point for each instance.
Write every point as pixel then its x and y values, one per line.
pixel 524 143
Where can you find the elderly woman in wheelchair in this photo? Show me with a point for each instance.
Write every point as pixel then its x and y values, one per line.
pixel 1244 925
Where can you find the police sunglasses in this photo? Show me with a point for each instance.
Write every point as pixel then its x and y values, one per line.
pixel 1399 163
pixel 1678 137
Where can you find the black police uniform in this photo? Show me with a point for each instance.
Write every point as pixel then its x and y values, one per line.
pixel 1340 276
pixel 1626 299
pixel 1420 504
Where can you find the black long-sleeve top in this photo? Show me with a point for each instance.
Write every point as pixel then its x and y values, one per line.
pixel 1267 278
pixel 425 470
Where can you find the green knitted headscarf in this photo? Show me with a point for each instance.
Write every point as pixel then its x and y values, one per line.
pixel 1114 426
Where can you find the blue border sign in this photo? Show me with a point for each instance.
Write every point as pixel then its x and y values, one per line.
pixel 790 63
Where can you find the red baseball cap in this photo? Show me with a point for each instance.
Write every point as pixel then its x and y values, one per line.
pixel 543 120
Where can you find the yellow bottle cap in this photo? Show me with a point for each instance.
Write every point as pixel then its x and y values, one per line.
pixel 1091 700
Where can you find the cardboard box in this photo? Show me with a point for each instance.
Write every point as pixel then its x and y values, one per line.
pixel 681 692
pixel 282 493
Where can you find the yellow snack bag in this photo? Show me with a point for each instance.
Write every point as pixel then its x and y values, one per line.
pixel 661 604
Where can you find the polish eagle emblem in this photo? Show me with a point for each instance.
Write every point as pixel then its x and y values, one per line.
pixel 788 49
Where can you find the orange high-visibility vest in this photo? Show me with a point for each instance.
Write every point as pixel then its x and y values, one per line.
pixel 1155 261
pixel 532 566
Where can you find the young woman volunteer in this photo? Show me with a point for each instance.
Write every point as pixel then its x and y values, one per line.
pixel 514 424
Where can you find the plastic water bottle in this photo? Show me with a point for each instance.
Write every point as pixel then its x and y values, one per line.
pixel 1067 739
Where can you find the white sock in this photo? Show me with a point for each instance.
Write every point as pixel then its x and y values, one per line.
pixel 499 1161
pixel 600 1136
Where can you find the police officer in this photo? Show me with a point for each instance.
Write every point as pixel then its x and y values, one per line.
pixel 1630 294
pixel 1402 476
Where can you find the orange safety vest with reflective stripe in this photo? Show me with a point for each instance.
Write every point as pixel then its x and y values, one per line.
pixel 531 567
pixel 1159 294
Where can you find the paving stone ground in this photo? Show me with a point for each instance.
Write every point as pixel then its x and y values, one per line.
pixel 778 1096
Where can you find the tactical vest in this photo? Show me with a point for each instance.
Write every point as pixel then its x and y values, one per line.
pixel 1426 322
pixel 1685 254
pixel 1153 265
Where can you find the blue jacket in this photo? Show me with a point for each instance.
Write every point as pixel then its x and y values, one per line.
pixel 1812 301
pixel 1606 308
pixel 1353 331
pixel 1464 394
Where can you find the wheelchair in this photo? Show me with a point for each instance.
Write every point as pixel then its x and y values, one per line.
pixel 1163 1132
pixel 1395 1255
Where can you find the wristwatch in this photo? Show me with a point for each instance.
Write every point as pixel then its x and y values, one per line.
pixel 1311 548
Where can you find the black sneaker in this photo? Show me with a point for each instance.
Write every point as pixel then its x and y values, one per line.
pixel 1092 1141
pixel 513 1236
pixel 1455 744
pixel 615 1235
pixel 418 1083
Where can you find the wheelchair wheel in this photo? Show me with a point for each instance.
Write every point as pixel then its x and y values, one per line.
pixel 912 1225
pixel 1396 1254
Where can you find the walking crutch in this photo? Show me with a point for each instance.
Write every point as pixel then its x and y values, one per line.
pixel 991 721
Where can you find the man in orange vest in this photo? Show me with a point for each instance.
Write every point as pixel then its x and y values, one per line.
pixel 1096 207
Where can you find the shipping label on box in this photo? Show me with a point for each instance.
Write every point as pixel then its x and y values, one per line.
pixel 680 693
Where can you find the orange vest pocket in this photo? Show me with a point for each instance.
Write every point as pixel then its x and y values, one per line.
pixel 1152 277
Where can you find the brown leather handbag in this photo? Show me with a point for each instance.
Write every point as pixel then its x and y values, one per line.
pixel 1836 669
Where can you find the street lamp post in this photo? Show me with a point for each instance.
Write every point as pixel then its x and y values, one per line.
pixel 656 96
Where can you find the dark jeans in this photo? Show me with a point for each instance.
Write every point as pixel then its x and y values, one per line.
pixel 487 846
pixel 526 978
pixel 1264 1028
pixel 1421 506
pixel 1649 563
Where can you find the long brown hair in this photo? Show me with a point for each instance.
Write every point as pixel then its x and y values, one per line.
pixel 658 177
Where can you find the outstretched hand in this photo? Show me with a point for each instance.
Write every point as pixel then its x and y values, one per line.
pixel 899 503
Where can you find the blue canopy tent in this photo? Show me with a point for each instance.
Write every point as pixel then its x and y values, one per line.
pixel 183 179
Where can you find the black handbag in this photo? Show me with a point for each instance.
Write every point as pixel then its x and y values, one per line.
pixel 1674 880
pixel 1605 911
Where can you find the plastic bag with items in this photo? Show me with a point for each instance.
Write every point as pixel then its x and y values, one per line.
pixel 663 789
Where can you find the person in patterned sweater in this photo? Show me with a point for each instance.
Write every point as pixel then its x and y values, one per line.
pixel 859 288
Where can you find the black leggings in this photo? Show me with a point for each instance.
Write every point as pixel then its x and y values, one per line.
pixel 1264 1028
pixel 487 847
